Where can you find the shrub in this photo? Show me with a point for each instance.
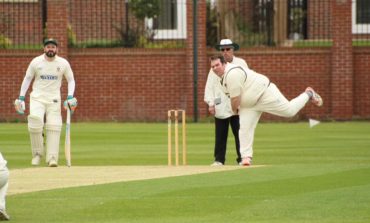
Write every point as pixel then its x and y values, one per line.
pixel 5 42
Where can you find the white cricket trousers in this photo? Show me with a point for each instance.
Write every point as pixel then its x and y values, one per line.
pixel 53 126
pixel 51 110
pixel 272 101
pixel 4 176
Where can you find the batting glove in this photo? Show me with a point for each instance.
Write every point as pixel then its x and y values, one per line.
pixel 70 103
pixel 19 105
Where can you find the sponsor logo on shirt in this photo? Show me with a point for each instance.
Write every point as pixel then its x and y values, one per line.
pixel 48 77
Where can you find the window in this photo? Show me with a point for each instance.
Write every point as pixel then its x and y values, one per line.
pixel 171 23
pixel 360 16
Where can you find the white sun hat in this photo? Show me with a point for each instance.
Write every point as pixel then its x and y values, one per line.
pixel 226 43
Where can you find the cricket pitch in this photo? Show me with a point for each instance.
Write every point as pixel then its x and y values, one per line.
pixel 45 178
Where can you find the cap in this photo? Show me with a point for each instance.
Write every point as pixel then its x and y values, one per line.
pixel 226 43
pixel 50 41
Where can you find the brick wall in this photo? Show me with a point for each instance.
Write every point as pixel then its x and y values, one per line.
pixel 342 60
pixel 361 87
pixel 141 85
pixel 19 20
pixel 89 16
pixel 129 85
pixel 57 15
pixel 13 65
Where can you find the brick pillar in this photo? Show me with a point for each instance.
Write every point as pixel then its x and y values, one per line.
pixel 57 22
pixel 203 63
pixel 342 60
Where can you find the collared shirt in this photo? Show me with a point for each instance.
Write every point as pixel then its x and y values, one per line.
pixel 249 84
pixel 48 77
pixel 214 95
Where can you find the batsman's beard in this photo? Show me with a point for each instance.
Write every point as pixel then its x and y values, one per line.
pixel 51 54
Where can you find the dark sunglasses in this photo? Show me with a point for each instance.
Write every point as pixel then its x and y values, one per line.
pixel 225 49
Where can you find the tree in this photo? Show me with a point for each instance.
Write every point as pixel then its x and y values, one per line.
pixel 145 8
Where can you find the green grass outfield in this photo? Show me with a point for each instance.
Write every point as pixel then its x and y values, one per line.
pixel 319 174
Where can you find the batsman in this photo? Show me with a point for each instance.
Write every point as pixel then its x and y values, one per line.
pixel 46 71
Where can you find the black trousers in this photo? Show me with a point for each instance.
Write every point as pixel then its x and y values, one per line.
pixel 221 134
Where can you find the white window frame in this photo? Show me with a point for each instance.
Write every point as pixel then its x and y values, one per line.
pixel 180 32
pixel 358 28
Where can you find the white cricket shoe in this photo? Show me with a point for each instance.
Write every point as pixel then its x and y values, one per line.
pixel 247 161
pixel 4 216
pixel 216 163
pixel 316 98
pixel 53 162
pixel 36 160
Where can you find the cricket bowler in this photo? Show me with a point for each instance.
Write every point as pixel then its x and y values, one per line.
pixel 251 94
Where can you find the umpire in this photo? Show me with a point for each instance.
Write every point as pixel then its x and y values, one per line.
pixel 219 105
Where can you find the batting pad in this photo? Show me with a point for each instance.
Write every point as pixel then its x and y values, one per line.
pixel 52 141
pixel 35 127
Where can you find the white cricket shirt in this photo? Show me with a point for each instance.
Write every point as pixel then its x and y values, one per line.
pixel 245 82
pixel 213 92
pixel 48 76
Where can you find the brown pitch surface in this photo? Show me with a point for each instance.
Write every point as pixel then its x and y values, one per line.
pixel 46 178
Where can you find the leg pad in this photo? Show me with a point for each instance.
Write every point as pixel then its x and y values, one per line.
pixel 52 141
pixel 35 127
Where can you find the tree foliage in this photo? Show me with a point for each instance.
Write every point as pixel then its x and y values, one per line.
pixel 145 8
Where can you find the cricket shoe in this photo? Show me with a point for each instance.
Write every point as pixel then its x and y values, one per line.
pixel 216 163
pixel 246 161
pixel 315 98
pixel 4 216
pixel 36 160
pixel 53 162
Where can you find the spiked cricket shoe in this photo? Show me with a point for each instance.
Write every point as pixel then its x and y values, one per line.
pixel 246 161
pixel 216 163
pixel 316 98
pixel 36 160
pixel 53 162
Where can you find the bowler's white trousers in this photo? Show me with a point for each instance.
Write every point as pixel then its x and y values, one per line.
pixel 272 101
pixel 4 175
